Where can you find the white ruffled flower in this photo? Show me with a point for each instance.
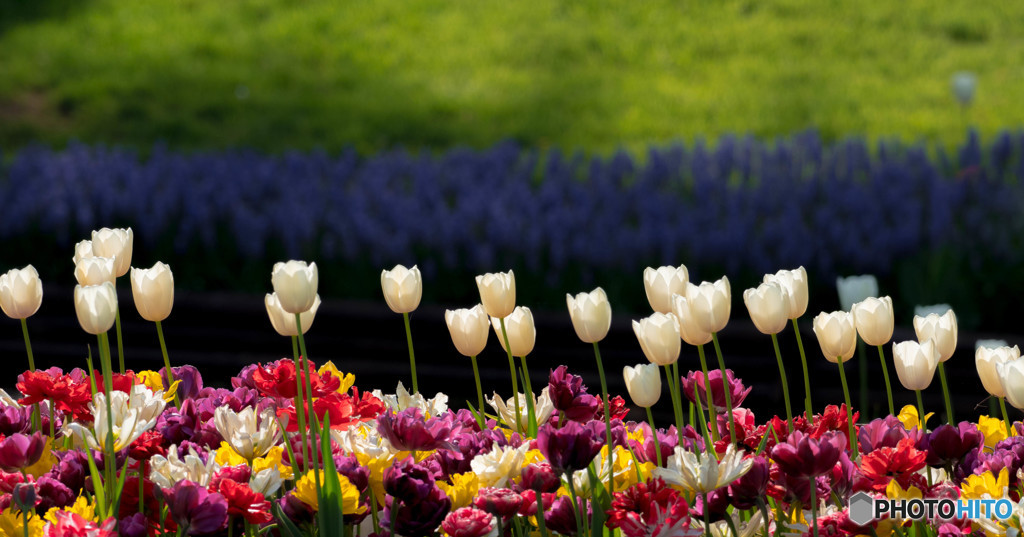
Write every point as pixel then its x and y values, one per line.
pixel 700 473
pixel 363 438
pixel 131 415
pixel 166 471
pixel 402 400
pixel 499 466
pixel 506 409
pixel 248 436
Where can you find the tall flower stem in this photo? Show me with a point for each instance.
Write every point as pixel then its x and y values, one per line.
pixel 809 407
pixel 300 405
pixel 920 411
pixel 707 523
pixel 120 346
pixel 725 388
pixel 108 388
pixel 28 345
pixel 1006 417
pixel 412 355
pixel 313 448
pixel 945 394
pixel 654 433
pixel 540 515
pixel 531 413
pixel 849 409
pixel 512 370
pixel 785 383
pixel 479 389
pixel 167 361
pixel 607 421
pixel 677 406
pixel 885 375
pixel 862 376
pixel 712 414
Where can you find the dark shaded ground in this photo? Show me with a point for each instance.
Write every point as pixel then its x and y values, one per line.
pixel 221 333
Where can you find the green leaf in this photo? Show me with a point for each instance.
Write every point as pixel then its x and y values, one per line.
pixel 599 497
pixel 764 442
pixel 332 522
pixel 478 415
pixel 289 529
pixel 119 487
pixel 97 486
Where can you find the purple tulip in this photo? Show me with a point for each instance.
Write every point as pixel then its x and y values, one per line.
pixel 417 519
pixel 195 508
pixel 135 525
pixel 53 493
pixel 752 486
pixel 560 517
pixel 410 431
pixel 19 451
pixel 718 505
pixel 570 448
pixel 539 476
pixel 948 444
pixel 191 380
pixel 693 386
pixel 296 510
pixel 349 467
pixel 569 395
pixel 884 432
pixel 409 481
pixel 801 455
pixel 15 420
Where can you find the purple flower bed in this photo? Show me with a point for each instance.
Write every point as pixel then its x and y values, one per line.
pixel 743 207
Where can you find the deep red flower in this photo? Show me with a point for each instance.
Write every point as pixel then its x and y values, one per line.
pixel 277 379
pixel 885 464
pixel 833 419
pixel 344 410
pixel 74 525
pixel 52 385
pixel 118 382
pixel 617 406
pixel 245 502
pixel 130 499
pixel 645 506
pixel 501 502
pixel 150 443
pixel 468 522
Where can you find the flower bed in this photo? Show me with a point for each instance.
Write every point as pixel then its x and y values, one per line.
pixel 295 449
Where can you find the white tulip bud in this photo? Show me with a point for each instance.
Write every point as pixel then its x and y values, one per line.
pixel 403 288
pixel 941 329
pixel 915 363
pixel 295 284
pixel 497 293
pixel 96 306
pixel 836 335
pixel 643 382
pixel 874 319
pixel 469 329
pixel 662 283
pixel 768 305
pixel 591 315
pixel 520 329
pixel 659 338
pixel 21 292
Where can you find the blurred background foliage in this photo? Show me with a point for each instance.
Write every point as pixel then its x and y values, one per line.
pixel 375 74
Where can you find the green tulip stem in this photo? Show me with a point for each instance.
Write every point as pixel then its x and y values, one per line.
pixel 707 522
pixel 809 407
pixel 920 412
pixel 849 409
pixel 862 376
pixel 28 345
pixel 479 389
pixel 167 361
pixel 785 383
pixel 313 448
pixel 412 355
pixel 654 433
pixel 300 407
pixel 945 393
pixel 120 346
pixel 885 375
pixel 108 389
pixel 677 407
pixel 515 382
pixel 540 515
pixel 1006 417
pixel 725 388
pixel 712 414
pixel 531 411
pixel 607 421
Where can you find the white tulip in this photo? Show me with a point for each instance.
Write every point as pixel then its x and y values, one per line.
pixel 284 322
pixel 836 335
pixel 21 292
pixel 662 283
pixel 520 330
pixel 95 270
pixel 794 283
pixel 153 291
pixel 114 243
pixel 506 409
pixel 130 416
pixel 710 304
pixel 497 293
pixel 915 363
pixel 1011 377
pixel 295 284
pixel 249 435
pixel 853 289
pixel 643 382
pixel 987 360
pixel 768 305
pixel 941 329
pixel 96 307
pixel 469 329
pixel 874 319
pixel 658 335
pixel 403 288
pixel 591 315
pixel 689 330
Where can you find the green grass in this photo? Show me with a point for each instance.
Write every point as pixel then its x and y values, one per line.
pixel 276 74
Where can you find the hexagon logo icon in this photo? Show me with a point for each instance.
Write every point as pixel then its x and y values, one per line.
pixel 862 508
